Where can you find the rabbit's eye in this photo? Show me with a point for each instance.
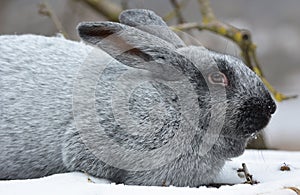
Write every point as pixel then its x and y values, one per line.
pixel 218 78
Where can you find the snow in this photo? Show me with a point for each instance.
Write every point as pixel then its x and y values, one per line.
pixel 283 132
pixel 263 165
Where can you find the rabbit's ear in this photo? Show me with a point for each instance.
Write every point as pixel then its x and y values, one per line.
pixel 132 47
pixel 148 21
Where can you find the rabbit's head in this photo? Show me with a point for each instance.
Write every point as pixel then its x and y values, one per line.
pixel 230 103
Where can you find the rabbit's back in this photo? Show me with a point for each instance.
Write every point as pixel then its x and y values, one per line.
pixel 36 76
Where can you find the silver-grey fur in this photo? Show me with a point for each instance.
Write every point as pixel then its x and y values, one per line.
pixel 38 134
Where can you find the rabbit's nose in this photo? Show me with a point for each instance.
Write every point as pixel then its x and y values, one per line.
pixel 264 106
pixel 271 106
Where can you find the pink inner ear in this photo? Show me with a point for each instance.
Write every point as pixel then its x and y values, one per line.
pixel 93 32
pixel 225 81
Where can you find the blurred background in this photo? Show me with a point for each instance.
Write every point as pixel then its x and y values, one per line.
pixel 274 24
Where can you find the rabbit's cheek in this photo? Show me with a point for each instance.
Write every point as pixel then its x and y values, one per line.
pixel 235 147
pixel 230 146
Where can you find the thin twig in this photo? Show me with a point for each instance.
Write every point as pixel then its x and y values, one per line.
pixel 297 190
pixel 177 9
pixel 46 10
pixel 248 176
pixel 206 11
pixel 124 4
pixel 174 12
pixel 108 9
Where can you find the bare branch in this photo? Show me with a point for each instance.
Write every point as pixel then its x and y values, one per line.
pixel 177 9
pixel 297 190
pixel 206 11
pixel 248 176
pixel 124 4
pixel 105 7
pixel 46 10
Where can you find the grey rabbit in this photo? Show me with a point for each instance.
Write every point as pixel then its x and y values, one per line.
pixel 134 105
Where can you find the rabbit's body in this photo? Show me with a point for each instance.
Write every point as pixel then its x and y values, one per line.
pixel 45 126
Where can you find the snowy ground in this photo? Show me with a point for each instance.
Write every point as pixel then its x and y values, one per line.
pixel 263 165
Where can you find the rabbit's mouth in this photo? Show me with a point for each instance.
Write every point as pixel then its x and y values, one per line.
pixel 233 141
pixel 230 146
pixel 253 123
pixel 254 115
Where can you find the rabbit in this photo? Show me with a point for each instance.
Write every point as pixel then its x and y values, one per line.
pixel 131 103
